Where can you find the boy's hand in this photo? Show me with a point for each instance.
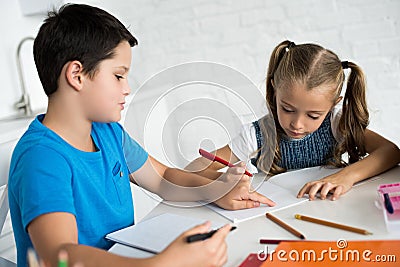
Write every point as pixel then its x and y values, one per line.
pixel 209 252
pixel 241 196
pixel 337 184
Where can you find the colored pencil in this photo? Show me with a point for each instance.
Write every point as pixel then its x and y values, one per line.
pixel 332 224
pixel 285 226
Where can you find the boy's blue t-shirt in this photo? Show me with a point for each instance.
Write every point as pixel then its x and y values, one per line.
pixel 49 175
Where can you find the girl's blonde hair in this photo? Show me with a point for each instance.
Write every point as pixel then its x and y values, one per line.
pixel 312 66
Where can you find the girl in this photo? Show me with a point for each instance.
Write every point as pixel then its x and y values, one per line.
pixel 304 85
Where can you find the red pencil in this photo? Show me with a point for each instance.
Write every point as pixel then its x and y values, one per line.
pixel 276 241
pixel 213 157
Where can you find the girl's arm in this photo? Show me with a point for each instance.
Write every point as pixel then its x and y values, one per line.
pixel 209 169
pixel 231 191
pixel 49 240
pixel 383 155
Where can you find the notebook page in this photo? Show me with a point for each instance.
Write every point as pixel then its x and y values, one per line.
pixel 281 196
pixel 155 234
pixel 294 180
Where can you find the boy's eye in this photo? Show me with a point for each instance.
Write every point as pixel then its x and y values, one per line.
pixel 119 77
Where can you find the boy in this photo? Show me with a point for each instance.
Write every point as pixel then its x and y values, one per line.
pixel 69 177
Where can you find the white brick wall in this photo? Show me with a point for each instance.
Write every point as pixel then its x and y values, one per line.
pixel 242 34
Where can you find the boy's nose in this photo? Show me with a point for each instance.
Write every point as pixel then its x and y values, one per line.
pixel 126 90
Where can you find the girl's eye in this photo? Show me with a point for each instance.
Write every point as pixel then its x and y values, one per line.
pixel 286 110
pixel 119 77
pixel 314 117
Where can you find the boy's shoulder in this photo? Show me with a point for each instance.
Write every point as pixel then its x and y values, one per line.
pixel 36 134
pixel 39 136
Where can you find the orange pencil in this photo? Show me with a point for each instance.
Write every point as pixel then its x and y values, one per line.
pixel 285 226
pixel 332 224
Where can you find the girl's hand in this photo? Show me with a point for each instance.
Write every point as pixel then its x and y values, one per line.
pixel 337 184
pixel 241 196
pixel 209 252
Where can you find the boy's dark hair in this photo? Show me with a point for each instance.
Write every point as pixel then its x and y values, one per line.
pixel 76 32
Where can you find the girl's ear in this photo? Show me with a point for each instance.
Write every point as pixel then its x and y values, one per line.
pixel 74 75
pixel 272 83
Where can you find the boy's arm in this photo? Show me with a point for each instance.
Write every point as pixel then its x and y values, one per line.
pixel 209 169
pixel 383 155
pixel 231 191
pixel 57 231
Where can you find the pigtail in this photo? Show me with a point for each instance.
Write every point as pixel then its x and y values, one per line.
pixel 269 151
pixel 355 117
pixel 274 61
pixel 271 138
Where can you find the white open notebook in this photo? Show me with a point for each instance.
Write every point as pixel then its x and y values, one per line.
pixel 155 234
pixel 281 188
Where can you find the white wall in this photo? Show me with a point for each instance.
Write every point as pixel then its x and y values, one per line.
pixel 240 34
pixel 13 28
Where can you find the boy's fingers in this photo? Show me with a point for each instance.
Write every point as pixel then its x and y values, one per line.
pixel 221 255
pixel 240 164
pixel 198 229
pixel 244 204
pixel 222 233
pixel 236 170
pixel 219 244
pixel 224 256
pixel 239 168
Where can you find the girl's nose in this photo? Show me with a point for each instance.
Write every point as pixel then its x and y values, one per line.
pixel 296 124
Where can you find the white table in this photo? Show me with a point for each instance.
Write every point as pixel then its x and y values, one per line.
pixel 356 208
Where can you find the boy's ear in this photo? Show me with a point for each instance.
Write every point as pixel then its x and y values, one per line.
pixel 74 74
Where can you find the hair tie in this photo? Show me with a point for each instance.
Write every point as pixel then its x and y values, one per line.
pixel 345 65
pixel 290 45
